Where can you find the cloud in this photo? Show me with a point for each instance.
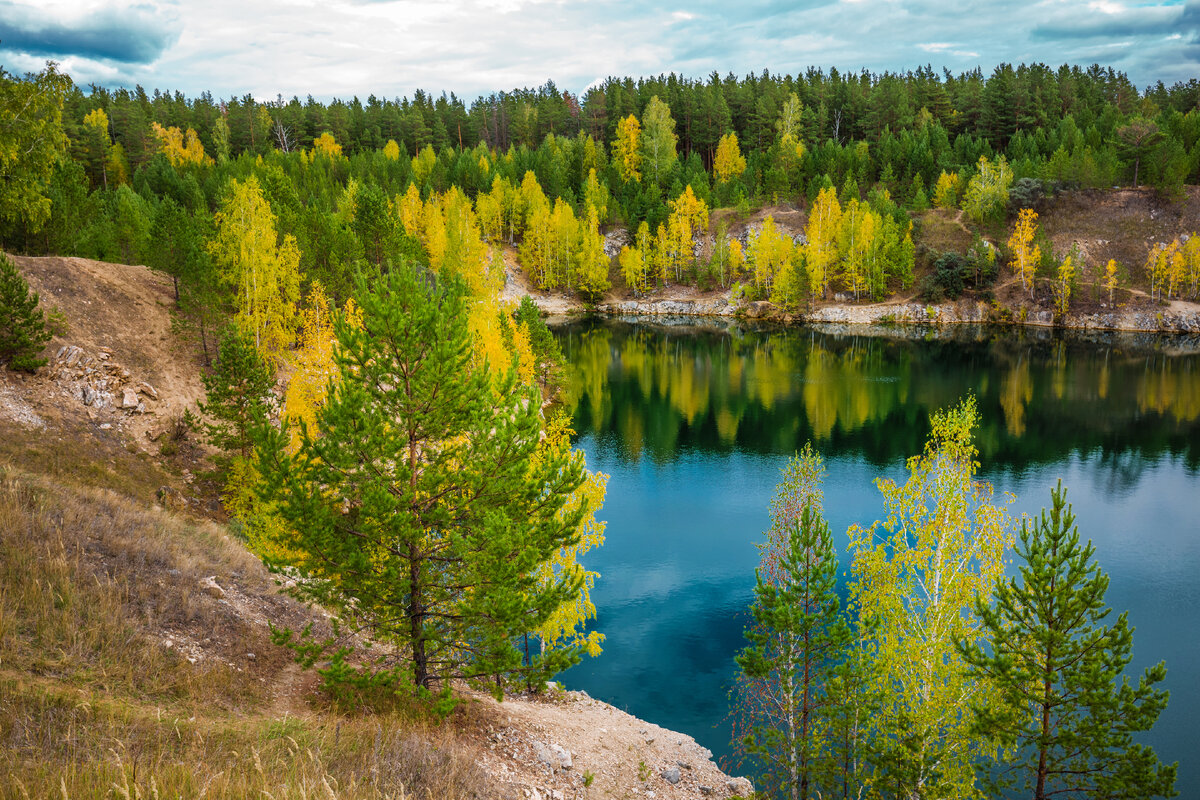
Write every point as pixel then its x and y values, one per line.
pixel 131 35
pixel 474 47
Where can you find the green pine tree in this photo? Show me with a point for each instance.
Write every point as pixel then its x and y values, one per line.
pixel 1067 715
pixel 798 638
pixel 238 394
pixel 417 509
pixel 22 325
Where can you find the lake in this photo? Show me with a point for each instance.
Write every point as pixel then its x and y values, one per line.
pixel 694 423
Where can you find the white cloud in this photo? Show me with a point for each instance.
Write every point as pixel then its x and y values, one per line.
pixel 472 47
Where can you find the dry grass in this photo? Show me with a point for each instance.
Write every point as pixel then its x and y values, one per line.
pixel 94 704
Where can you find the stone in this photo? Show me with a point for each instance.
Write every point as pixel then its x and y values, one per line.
pixel 129 399
pixel 671 775
pixel 553 756
pixel 89 395
pixel 740 787
pixel 148 390
pixel 170 497
pixel 706 790
pixel 210 587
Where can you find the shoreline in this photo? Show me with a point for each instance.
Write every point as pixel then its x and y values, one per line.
pixel 1177 318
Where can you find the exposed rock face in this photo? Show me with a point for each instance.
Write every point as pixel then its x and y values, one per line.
pixel 703 307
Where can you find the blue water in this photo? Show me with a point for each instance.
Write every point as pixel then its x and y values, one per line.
pixel 693 427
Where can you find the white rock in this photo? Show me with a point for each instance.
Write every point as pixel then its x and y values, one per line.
pixel 210 587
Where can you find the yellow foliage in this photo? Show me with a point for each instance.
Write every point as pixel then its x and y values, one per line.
pixel 945 193
pixel 314 367
pixel 824 220
pixel 264 272
pixel 566 624
pixel 178 147
pixel 391 150
pixel 411 209
pixel 627 153
pixel 1110 277
pixel 327 146
pixel 1062 289
pixel 1025 254
pixel 97 120
pixel 423 164
pixel 729 162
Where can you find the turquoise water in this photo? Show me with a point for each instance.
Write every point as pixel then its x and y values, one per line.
pixel 694 424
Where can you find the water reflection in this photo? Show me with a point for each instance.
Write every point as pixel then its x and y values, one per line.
pixel 656 390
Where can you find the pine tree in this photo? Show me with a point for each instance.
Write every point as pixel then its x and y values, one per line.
pixel 22 324
pixel 419 513
pixel 1066 715
pixel 237 392
pixel 798 637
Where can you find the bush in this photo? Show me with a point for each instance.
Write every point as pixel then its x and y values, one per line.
pixel 947 280
pixel 22 325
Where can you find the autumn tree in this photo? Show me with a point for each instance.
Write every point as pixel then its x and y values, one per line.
pixel 180 147
pixel 634 260
pixel 566 625
pixel 327 146
pixel 729 163
pixel 824 221
pixel 263 271
pixel 915 578
pixel 419 514
pixel 1065 713
pixel 1025 254
pixel 798 637
pixel 1064 285
pixel 945 193
pixel 627 149
pixel 1110 278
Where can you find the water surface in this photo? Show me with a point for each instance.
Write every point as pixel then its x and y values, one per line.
pixel 693 425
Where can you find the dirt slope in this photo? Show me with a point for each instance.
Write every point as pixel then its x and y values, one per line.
pixel 210 601
pixel 118 337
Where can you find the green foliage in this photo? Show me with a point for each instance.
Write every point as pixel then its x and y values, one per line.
pixel 987 192
pixel 22 325
pixel 414 508
pixel 238 396
pixel 1065 714
pixel 916 576
pixel 797 640
pixel 31 142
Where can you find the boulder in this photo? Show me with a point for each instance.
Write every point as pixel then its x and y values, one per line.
pixel 210 587
pixel 671 775
pixel 148 390
pixel 129 399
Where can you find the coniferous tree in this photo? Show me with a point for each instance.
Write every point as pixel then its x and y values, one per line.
pixel 797 640
pixel 417 510
pixel 1065 714
pixel 22 324
pixel 238 392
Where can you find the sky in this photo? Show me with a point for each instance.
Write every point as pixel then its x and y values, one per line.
pixel 389 48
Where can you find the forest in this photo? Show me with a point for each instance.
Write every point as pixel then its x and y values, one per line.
pixel 550 173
